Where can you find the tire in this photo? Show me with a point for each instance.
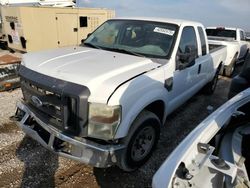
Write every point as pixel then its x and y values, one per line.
pixel 245 56
pixel 211 86
pixel 239 83
pixel 228 71
pixel 140 142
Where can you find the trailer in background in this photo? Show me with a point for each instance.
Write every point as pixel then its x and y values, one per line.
pixel 44 27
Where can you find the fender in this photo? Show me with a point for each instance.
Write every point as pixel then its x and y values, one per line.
pixel 135 95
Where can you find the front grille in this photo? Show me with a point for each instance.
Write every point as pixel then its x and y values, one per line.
pixel 53 104
pixel 59 103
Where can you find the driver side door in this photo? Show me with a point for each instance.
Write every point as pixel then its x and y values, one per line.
pixel 186 75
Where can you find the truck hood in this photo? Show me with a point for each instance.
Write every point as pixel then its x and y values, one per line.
pixel 101 71
pixel 187 153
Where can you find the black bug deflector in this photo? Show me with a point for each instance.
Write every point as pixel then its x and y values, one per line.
pixel 59 103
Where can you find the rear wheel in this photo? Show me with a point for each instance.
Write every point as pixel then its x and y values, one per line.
pixel 228 70
pixel 140 142
pixel 245 56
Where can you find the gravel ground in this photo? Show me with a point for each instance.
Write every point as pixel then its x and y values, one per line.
pixel 25 163
pixel 8 102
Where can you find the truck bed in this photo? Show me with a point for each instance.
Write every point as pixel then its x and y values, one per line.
pixel 221 38
pixel 218 54
pixel 215 47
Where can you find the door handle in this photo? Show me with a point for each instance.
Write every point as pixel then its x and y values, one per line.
pixel 75 29
pixel 199 69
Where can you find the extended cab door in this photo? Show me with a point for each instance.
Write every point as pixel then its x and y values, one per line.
pixel 188 67
pixel 206 66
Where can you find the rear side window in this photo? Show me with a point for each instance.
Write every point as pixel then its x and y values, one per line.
pixel 203 41
pixel 242 37
pixel 188 39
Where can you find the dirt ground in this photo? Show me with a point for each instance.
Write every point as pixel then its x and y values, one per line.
pixel 25 163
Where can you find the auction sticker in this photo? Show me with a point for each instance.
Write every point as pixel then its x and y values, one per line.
pixel 164 31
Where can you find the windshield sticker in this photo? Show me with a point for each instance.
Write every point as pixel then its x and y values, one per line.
pixel 164 31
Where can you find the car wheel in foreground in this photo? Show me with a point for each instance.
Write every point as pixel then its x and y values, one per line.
pixel 141 141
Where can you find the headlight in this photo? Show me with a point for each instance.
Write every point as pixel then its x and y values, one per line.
pixel 103 121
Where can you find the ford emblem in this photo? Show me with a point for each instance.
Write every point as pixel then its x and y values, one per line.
pixel 36 101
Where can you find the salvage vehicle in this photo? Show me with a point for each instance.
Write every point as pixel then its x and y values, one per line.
pixel 103 103
pixel 215 154
pixel 236 42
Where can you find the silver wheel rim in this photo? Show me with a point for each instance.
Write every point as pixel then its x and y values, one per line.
pixel 143 143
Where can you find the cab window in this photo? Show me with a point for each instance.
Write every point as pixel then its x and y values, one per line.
pixel 187 49
pixel 188 39
pixel 242 37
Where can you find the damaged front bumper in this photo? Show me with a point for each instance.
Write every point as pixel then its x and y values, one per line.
pixel 79 149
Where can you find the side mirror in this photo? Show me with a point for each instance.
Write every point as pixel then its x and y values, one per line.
pixel 248 39
pixel 187 59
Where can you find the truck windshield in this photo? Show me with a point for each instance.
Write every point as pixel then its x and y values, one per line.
pixel 142 38
pixel 220 32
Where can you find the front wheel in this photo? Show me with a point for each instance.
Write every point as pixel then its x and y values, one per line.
pixel 140 142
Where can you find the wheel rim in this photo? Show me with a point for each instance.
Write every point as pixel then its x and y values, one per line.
pixel 143 143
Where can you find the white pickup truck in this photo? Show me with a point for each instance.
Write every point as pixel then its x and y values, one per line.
pixel 103 103
pixel 235 41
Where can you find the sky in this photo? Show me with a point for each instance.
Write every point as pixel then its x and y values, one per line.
pixel 230 13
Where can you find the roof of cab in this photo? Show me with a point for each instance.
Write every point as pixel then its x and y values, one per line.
pixel 165 20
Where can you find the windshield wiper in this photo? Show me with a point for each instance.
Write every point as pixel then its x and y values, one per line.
pixel 114 49
pixel 122 50
pixel 92 45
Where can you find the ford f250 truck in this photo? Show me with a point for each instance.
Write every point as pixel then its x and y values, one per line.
pixel 235 41
pixel 103 103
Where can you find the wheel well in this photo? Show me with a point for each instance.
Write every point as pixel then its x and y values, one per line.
pixel 157 108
